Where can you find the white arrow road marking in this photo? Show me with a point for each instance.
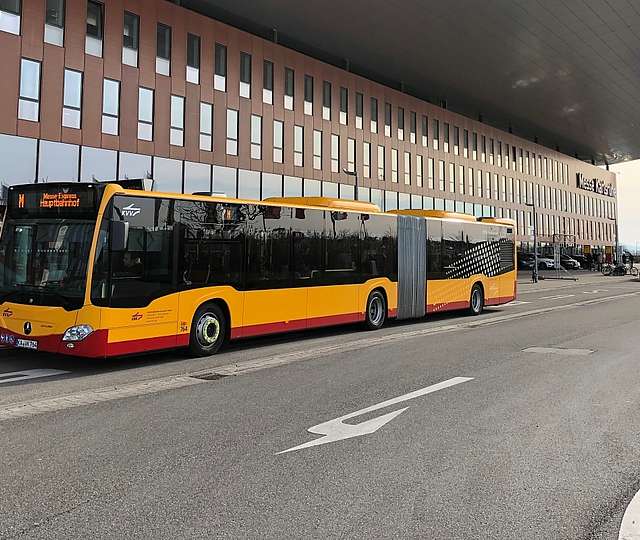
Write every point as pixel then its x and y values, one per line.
pixel 16 376
pixel 336 430
pixel 630 527
pixel 557 297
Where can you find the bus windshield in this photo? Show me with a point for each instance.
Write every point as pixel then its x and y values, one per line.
pixel 44 261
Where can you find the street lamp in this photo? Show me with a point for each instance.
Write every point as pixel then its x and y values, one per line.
pixel 355 177
pixel 534 274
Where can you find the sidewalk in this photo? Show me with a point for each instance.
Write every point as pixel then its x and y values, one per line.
pixel 583 278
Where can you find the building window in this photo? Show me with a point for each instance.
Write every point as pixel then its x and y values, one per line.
pixel 344 105
pixel 366 159
pixel 326 100
pixel 470 179
pixel 483 149
pixel 387 119
pixel 93 41
pixel 407 168
pixel 308 95
pixel 419 170
pixel 401 123
pixel 424 128
pixel 289 88
pixel 317 149
pixel 72 100
pixel 110 106
pixel 441 177
pixel 10 16
pixel 412 127
pixel 465 143
pixel 53 22
pixel 430 173
pixel 499 155
pixel 436 134
pixel 176 133
pixel 206 126
pixel 446 137
pixel 267 82
pixel 456 140
pixel 461 181
pixel 145 114
pixel 380 162
pixel 29 102
pixel 298 146
pixel 256 136
pixel 232 132
pixel 335 153
pixel 452 178
pixel 220 68
pixel 278 141
pixel 130 39
pixel 374 115
pixel 359 109
pixel 394 165
pixel 193 59
pixel 351 155
pixel 163 49
pixel 245 75
pixel 491 152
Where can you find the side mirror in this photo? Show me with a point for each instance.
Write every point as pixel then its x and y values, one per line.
pixel 119 235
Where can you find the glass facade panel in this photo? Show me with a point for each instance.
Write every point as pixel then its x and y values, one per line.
pixel 167 175
pixel 292 186
pixel 197 177
pixel 248 185
pixel 312 188
pixel 134 166
pixel 97 164
pixel 58 162
pixel 18 158
pixel 225 181
pixel 271 185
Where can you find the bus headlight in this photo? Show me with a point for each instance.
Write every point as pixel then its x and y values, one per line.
pixel 77 333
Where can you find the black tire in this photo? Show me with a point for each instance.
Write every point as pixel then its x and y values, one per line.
pixel 376 312
pixel 607 270
pixel 208 330
pixel 476 300
pixel 633 271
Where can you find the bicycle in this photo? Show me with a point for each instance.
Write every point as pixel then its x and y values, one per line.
pixel 619 270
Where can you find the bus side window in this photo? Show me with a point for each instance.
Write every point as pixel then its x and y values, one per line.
pixel 434 250
pixel 342 234
pixel 306 236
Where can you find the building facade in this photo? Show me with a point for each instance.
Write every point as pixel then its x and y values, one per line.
pixel 146 88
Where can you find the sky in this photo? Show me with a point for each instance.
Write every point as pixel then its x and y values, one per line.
pixel 628 202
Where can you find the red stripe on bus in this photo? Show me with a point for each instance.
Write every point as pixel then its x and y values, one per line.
pixel 499 300
pixel 299 324
pixel 448 306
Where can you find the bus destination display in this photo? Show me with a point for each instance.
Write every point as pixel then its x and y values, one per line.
pixel 49 201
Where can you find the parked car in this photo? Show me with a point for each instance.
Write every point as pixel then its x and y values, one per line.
pixel 584 263
pixel 545 263
pixel 569 263
pixel 525 261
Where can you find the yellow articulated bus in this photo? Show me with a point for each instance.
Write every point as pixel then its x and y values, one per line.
pixel 96 270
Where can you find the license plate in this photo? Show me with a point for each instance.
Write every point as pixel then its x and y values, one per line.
pixel 27 344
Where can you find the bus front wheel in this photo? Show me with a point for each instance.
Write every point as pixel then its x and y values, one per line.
pixel 476 302
pixel 208 330
pixel 376 312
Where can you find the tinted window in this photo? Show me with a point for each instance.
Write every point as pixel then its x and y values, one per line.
pixel 342 248
pixel 211 248
pixel 144 271
pixel 434 249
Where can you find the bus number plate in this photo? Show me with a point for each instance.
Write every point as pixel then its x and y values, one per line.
pixel 27 344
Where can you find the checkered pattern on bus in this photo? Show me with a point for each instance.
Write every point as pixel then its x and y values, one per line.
pixel 488 258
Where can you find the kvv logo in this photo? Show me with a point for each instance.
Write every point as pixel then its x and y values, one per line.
pixel 130 211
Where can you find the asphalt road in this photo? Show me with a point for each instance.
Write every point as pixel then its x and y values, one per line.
pixel 540 442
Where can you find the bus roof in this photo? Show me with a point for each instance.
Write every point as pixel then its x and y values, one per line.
pixel 327 202
pixel 498 221
pixel 438 214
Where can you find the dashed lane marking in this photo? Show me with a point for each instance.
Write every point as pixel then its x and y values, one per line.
pixel 17 376
pixel 557 297
pixel 559 350
pixel 516 303
pixel 88 397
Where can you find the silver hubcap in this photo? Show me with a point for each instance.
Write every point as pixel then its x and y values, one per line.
pixel 476 300
pixel 207 330
pixel 376 311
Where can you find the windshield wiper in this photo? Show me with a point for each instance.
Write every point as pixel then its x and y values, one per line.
pixel 27 288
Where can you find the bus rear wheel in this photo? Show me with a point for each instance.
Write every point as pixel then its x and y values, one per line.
pixel 376 312
pixel 476 302
pixel 208 330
